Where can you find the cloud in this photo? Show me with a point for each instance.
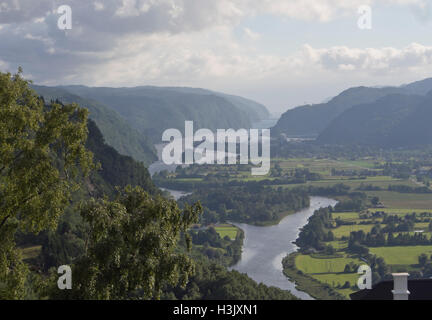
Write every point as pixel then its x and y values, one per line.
pixel 186 42
pixel 20 11
pixel 251 35
pixel 384 60
pixel 187 15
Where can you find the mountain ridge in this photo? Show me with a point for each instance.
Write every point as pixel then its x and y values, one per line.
pixel 152 110
pixel 116 131
pixel 312 120
pixel 132 119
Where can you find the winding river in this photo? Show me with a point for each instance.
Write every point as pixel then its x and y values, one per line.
pixel 265 247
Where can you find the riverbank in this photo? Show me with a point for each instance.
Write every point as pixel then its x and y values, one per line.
pixel 305 283
pixel 176 194
pixel 265 247
pixel 275 222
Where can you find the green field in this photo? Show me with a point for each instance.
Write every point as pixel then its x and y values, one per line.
pixel 31 252
pixel 338 245
pixel 346 230
pixel 347 216
pixel 310 265
pixel 329 271
pixel 354 183
pixel 401 255
pixel 335 279
pixel 414 201
pixel 399 211
pixel 227 230
pixel 422 226
pixel 366 164
pixel 338 279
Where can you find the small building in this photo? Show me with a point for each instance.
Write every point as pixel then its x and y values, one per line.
pixel 401 288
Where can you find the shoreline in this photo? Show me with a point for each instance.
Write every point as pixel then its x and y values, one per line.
pixel 304 282
pixel 265 248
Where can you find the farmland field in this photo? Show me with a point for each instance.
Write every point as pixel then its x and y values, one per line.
pixel 399 211
pixel 401 255
pixel 413 201
pixel 335 279
pixel 347 216
pixel 310 265
pixel 344 231
pixel 227 230
pixel 355 183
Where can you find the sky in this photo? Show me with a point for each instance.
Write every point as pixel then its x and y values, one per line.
pixel 282 53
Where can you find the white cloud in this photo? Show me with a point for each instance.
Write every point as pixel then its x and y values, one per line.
pixel 385 60
pixel 98 6
pixel 128 9
pixel 251 35
pixel 191 43
pixel 318 10
pixel 196 14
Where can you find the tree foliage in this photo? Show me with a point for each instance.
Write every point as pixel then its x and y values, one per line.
pixel 131 247
pixel 42 150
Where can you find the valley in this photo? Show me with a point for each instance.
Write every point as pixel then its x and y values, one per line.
pixel 357 193
pixel 370 190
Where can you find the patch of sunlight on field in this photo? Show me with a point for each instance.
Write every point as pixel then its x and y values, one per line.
pixel 335 279
pixel 345 215
pixel 366 164
pixel 224 231
pixel 309 265
pixel 346 292
pixel 338 245
pixel 189 180
pixel 414 201
pixel 346 230
pixel 399 211
pixel 356 183
pixel 401 255
pixel 421 226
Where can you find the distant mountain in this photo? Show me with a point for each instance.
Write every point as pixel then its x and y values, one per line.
pixel 254 110
pixel 311 120
pixel 387 122
pixel 419 87
pixel 415 129
pixel 116 131
pixel 152 110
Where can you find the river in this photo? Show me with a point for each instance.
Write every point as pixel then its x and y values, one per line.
pixel 159 165
pixel 265 247
pixel 175 193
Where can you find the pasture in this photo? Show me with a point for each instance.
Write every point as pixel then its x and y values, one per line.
pixel 310 265
pixel 227 230
pixel 401 255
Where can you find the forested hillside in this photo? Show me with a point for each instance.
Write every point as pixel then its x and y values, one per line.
pixel 71 199
pixel 312 120
pixel 64 244
pixel 393 121
pixel 115 169
pixel 116 131
pixel 152 110
pixel 253 110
